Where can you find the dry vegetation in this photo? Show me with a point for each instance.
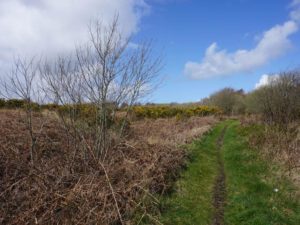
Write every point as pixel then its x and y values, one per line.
pixel 278 145
pixel 80 163
pixel 84 164
pixel 172 132
pixel 66 188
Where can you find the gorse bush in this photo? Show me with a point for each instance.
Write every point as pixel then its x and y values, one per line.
pixel 18 104
pixel 155 112
pixel 2 103
pixel 14 103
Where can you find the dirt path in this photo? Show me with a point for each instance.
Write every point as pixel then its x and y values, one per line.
pixel 219 194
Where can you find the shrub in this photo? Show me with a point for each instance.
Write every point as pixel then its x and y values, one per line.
pixel 155 112
pixel 2 103
pixel 14 103
pixel 279 101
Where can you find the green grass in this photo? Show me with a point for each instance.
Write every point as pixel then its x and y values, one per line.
pixel 191 204
pixel 251 184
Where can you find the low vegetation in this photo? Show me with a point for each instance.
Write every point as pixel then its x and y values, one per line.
pixel 77 148
pixel 66 185
pixel 254 193
pixel 168 111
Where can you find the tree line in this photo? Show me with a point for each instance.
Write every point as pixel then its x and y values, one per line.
pixel 278 102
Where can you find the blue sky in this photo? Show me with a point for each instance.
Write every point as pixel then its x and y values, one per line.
pixel 184 30
pixel 207 44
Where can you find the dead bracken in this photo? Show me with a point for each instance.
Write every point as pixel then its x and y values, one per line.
pixel 66 188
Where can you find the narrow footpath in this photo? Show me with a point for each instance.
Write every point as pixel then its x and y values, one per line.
pixel 219 195
pixel 227 182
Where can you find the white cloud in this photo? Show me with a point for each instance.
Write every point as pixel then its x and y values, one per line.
pixel 265 80
pixel 273 43
pixel 295 13
pixel 50 27
pixel 295 3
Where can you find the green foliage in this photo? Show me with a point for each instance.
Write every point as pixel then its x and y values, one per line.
pixel 155 112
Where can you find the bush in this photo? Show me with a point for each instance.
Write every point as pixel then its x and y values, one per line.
pixel 2 103
pixel 50 106
pixel 14 103
pixel 155 112
pixel 279 101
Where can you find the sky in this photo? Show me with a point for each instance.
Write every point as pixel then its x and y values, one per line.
pixel 207 45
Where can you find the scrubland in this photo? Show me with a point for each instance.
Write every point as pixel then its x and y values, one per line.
pixel 76 147
pixel 68 187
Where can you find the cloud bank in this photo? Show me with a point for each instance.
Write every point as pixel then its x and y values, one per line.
pixel 273 43
pixel 265 80
pixel 50 27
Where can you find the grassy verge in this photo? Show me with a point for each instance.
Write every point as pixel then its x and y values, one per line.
pixel 255 195
pixel 192 201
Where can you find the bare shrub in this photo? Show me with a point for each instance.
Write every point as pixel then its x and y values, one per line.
pixel 21 83
pixel 106 73
pixel 279 101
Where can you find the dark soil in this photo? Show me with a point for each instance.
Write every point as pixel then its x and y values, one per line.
pixel 219 195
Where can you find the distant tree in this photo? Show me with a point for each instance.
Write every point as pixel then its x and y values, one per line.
pixel 230 101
